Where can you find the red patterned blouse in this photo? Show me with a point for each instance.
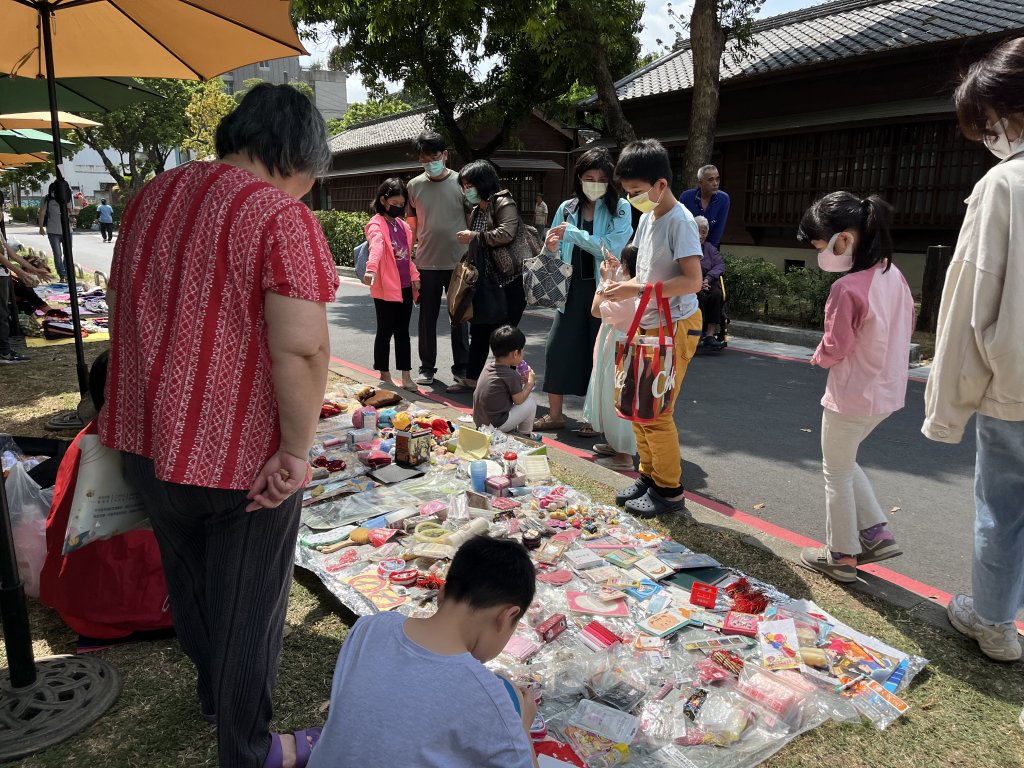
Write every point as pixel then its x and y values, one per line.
pixel 189 379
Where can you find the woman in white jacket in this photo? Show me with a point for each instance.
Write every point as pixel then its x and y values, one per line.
pixel 979 356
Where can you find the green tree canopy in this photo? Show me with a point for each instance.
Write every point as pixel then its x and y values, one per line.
pixel 143 134
pixel 207 106
pixel 475 59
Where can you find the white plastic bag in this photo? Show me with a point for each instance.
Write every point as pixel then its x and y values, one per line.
pixel 30 506
pixel 104 504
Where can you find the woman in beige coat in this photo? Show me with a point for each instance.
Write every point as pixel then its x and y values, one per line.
pixel 979 357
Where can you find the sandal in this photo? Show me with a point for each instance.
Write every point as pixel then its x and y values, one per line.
pixel 547 424
pixel 303 748
pixel 586 431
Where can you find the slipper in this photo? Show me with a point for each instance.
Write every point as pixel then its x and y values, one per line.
pixel 619 465
pixel 586 431
pixel 547 424
pixel 411 387
pixel 303 749
pixel 458 388
pixel 603 449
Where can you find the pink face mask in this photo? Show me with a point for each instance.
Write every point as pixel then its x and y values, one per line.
pixel 829 261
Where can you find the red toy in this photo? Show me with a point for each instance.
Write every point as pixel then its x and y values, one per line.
pixel 703 595
pixel 552 627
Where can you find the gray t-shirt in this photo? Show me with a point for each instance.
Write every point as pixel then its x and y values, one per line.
pixel 660 245
pixel 394 704
pixel 53 226
pixel 492 398
pixel 440 214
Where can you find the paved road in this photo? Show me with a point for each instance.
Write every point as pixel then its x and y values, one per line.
pixel 88 248
pixel 742 426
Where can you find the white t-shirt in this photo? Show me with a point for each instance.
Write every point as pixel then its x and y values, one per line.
pixel 661 243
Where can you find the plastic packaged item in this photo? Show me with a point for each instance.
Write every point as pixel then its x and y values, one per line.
pixel 617 755
pixel 29 508
pixel 724 717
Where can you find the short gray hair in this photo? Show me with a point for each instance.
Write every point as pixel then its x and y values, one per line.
pixel 281 128
pixel 702 221
pixel 704 169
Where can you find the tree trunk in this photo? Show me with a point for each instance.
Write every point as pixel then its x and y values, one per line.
pixel 446 114
pixel 615 123
pixel 935 266
pixel 707 40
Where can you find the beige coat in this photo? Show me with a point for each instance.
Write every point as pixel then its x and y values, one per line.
pixel 979 352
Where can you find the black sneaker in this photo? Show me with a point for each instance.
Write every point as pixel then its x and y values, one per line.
pixel 425 379
pixel 712 344
pixel 652 504
pixel 639 487
pixel 12 357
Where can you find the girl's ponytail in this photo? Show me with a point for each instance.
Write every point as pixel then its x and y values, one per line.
pixel 870 218
pixel 876 238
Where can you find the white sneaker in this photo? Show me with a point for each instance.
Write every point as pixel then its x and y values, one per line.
pixel 997 641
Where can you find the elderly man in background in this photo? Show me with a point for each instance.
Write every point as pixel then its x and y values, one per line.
pixel 707 200
pixel 218 365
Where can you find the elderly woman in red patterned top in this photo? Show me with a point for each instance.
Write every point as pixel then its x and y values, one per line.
pixel 218 367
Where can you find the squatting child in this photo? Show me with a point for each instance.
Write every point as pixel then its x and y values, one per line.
pixel 668 252
pixel 502 396
pixel 415 692
pixel 869 318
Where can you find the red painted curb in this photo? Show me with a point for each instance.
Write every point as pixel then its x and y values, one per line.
pixel 918 588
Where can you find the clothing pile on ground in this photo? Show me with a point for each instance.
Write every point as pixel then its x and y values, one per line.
pixel 54 322
pixel 637 647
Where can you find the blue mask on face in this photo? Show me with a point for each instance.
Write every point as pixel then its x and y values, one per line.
pixel 434 167
pixel 472 196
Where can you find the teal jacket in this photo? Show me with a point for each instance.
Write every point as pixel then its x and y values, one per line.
pixel 614 231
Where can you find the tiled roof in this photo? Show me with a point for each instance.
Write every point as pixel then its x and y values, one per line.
pixel 831 31
pixel 382 132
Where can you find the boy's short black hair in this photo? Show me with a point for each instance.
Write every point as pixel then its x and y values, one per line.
pixel 486 572
pixel 507 339
pixel 429 143
pixel 628 258
pixel 644 160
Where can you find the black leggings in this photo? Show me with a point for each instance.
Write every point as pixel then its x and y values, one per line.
pixel 480 333
pixel 711 302
pixel 393 321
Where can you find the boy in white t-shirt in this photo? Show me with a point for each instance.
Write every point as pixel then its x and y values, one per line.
pixel 668 252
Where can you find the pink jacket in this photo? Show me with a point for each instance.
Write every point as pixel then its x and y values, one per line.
pixel 387 285
pixel 869 319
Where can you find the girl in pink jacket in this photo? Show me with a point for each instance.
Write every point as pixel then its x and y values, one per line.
pixel 393 279
pixel 869 319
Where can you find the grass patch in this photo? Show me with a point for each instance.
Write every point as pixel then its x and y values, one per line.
pixel 964 708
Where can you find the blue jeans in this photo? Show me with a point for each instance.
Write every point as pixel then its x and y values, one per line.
pixel 57 246
pixel 998 573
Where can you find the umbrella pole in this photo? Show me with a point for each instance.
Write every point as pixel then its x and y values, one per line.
pixel 63 197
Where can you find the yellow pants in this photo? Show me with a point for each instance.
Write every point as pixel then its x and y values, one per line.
pixel 658 442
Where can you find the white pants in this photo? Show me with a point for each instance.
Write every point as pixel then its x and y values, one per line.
pixel 520 418
pixel 850 502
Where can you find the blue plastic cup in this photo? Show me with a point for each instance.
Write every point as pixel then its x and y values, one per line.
pixel 478 475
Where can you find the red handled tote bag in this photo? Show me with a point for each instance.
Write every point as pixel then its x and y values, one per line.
pixel 645 366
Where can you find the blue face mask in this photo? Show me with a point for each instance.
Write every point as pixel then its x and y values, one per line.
pixel 472 196
pixel 434 167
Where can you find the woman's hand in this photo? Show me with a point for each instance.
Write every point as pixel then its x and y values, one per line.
pixel 281 476
pixel 555 235
pixel 24 277
pixel 622 290
pixel 368 278
pixel 465 236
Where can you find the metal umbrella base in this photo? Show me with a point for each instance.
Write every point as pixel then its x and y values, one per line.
pixel 70 694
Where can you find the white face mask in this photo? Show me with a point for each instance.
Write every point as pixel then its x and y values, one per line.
pixel 1000 144
pixel 594 190
pixel 829 261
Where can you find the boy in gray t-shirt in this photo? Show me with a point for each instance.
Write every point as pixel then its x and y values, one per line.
pixel 436 213
pixel 669 252
pixel 415 692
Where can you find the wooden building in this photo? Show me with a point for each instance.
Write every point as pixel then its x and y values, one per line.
pixel 853 94
pixel 367 154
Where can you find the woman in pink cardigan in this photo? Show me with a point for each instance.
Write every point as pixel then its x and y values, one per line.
pixel 393 279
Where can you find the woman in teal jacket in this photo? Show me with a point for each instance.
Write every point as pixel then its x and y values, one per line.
pixel 583 226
